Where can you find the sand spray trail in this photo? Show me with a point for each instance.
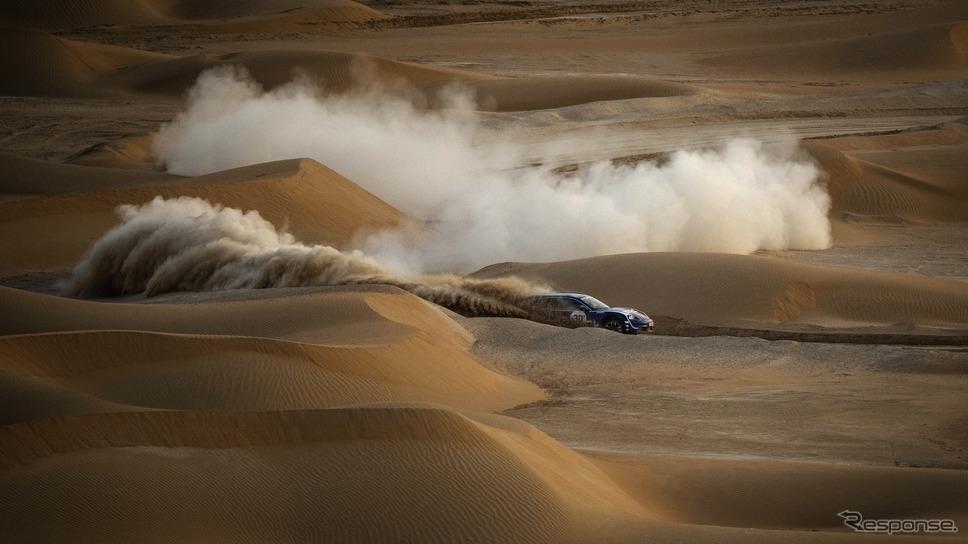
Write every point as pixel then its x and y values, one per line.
pixel 188 244
pixel 481 196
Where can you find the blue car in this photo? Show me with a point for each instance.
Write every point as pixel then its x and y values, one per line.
pixel 578 310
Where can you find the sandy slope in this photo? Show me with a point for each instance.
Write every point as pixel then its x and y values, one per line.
pixel 43 65
pixel 318 350
pixel 911 176
pixel 337 475
pixel 750 291
pixel 359 414
pixel 774 46
pixel 22 178
pixel 344 475
pixel 738 493
pixel 319 205
pixel 933 42
pixel 51 15
pixel 40 64
pixel 547 93
pixel 331 71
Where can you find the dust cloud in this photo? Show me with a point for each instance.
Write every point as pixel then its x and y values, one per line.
pixel 442 168
pixel 189 244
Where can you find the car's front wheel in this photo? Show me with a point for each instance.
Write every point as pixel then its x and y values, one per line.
pixel 614 324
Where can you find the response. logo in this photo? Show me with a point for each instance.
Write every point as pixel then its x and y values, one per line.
pixel 856 521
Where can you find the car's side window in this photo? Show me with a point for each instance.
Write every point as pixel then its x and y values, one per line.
pixel 549 304
pixel 569 305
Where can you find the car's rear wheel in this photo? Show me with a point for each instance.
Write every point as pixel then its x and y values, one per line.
pixel 614 324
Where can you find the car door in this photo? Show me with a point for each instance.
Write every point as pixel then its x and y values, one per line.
pixel 573 313
pixel 545 310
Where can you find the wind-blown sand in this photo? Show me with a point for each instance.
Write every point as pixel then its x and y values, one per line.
pixel 779 389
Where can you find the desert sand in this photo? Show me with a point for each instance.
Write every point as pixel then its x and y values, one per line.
pixel 262 262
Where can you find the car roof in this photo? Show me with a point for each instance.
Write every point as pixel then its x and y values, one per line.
pixel 561 295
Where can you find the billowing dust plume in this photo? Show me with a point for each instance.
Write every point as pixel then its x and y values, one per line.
pixel 188 244
pixel 483 204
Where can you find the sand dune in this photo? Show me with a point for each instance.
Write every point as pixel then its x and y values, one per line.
pixel 417 472
pixel 44 65
pixel 318 205
pixel 52 15
pixel 332 475
pixel 929 40
pixel 55 15
pixel 21 177
pixel 755 291
pixel 133 153
pixel 142 370
pixel 317 316
pixel 331 71
pixel 367 414
pixel 747 496
pixel 938 50
pixel 912 176
pixel 24 398
pixel 327 349
pixel 247 8
pixel 39 64
pixel 526 94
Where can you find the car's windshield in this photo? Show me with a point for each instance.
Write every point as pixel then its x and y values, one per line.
pixel 594 303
